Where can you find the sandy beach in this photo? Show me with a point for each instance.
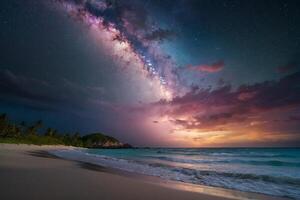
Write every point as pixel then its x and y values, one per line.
pixel 28 173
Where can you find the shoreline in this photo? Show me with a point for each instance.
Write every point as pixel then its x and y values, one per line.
pixel 40 158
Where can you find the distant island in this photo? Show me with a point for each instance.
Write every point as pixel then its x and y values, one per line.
pixel 24 133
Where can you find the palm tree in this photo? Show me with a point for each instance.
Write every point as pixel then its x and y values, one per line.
pixel 49 132
pixel 32 130
pixel 55 133
pixel 75 140
pixel 18 131
pixel 23 127
pixel 3 124
pixel 38 124
pixel 76 135
pixel 67 138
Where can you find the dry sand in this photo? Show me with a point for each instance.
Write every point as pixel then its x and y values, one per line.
pixel 27 172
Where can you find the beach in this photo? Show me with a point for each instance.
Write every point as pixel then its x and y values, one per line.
pixel 29 172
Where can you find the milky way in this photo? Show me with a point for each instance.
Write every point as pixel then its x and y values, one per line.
pixel 133 41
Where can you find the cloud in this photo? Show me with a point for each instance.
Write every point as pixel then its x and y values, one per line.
pixel 25 88
pixel 43 95
pixel 295 118
pixel 287 68
pixel 209 68
pixel 291 66
pixel 244 96
pixel 206 109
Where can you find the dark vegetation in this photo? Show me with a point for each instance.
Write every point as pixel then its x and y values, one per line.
pixel 34 133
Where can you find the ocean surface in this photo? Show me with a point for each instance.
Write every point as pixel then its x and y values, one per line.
pixel 272 171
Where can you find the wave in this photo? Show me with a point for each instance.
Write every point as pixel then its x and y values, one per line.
pixel 226 154
pixel 200 174
pixel 273 163
pixel 254 177
pixel 267 184
pixel 238 161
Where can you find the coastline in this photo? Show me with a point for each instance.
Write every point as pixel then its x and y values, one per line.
pixel 29 172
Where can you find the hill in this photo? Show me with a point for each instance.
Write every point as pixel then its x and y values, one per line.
pixel 98 140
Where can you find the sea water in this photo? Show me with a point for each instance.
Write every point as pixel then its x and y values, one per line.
pixel 272 171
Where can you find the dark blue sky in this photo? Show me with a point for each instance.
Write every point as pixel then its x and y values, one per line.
pixel 56 66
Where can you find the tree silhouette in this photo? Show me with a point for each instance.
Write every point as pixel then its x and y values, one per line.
pixel 32 130
pixel 23 133
pixel 49 132
pixel 4 125
pixel 23 127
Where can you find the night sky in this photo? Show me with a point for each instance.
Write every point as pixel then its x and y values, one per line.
pixel 182 73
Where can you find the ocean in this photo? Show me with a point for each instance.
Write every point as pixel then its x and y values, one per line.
pixel 271 171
